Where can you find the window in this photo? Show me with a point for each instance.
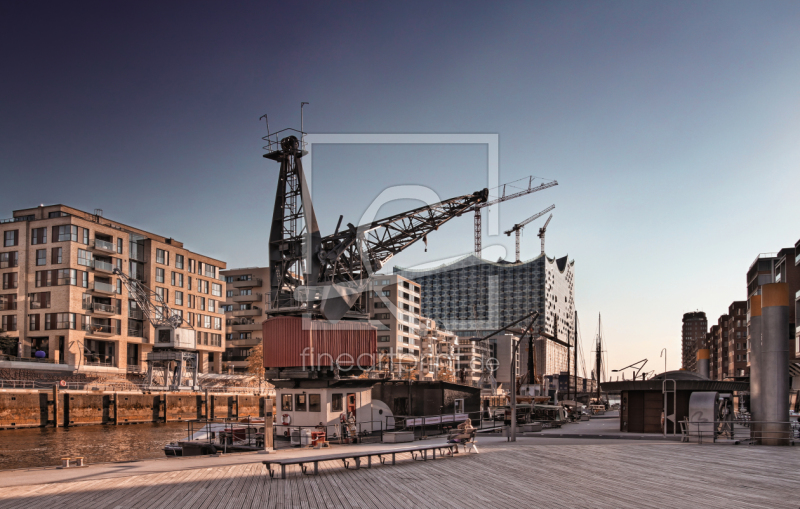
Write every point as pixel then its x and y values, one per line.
pixel 55 257
pixel 211 303
pixel 217 323
pixel 189 283
pixel 172 278
pixel 9 280
pixel 179 261
pixel 159 275
pixel 216 289
pixel 85 281
pixel 178 298
pixel 56 321
pixel 84 258
pixel 206 322
pixel 66 233
pixel 41 257
pixel 299 402
pixel 67 277
pixel 38 236
pixel 86 236
pixel 56 214
pixel 336 402
pixel 191 265
pixel 119 283
pixel 33 322
pixel 314 403
pixel 383 339
pixel 162 257
pixel 190 301
pixel 8 302
pixel 163 293
pixel 10 238
pixel 9 259
pixel 119 246
pixel 229 293
pixel 9 323
pixel 179 280
pixel 205 286
pixel 211 271
pixel 386 293
pixel 202 303
pixel 39 300
pixel 286 403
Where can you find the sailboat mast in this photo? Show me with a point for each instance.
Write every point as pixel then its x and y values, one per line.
pixel 598 359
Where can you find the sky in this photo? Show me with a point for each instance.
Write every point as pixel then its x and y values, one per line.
pixel 672 129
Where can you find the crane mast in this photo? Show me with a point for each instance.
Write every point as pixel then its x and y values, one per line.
pixel 504 197
pixel 519 226
pixel 544 229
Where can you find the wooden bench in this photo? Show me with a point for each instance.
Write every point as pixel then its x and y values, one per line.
pixel 357 457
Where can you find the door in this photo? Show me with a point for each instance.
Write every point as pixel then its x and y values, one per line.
pixel 351 405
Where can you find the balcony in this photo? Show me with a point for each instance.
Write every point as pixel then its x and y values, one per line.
pixel 104 246
pixel 246 327
pixel 106 288
pixel 105 309
pixel 137 333
pixel 253 297
pixel 249 283
pixel 99 329
pixel 101 266
pixel 135 314
pixel 247 312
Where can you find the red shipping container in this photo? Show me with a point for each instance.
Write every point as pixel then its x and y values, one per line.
pixel 295 342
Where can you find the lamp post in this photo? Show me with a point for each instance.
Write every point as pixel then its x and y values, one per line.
pixel 664 353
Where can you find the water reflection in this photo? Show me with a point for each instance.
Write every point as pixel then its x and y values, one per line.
pixel 44 447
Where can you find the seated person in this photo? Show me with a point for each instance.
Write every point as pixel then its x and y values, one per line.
pixel 465 432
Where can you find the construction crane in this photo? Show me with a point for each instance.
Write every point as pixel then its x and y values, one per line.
pixel 329 276
pixel 543 229
pixel 174 355
pixel 504 197
pixel 519 226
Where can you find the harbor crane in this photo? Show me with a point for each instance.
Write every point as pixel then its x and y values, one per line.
pixel 504 197
pixel 174 355
pixel 544 229
pixel 517 229
pixel 329 276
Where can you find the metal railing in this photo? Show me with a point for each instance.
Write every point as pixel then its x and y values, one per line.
pixel 425 425
pixel 136 333
pixel 101 265
pixel 112 386
pixel 104 245
pixel 11 358
pixel 103 287
pixel 106 308
pixel 99 328
pixel 136 314
pixel 100 364
pixel 367 432
pixel 742 430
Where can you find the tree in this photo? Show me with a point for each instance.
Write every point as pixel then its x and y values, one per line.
pixel 8 345
pixel 255 362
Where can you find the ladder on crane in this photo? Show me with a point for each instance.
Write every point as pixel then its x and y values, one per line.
pixel 517 228
pixel 504 197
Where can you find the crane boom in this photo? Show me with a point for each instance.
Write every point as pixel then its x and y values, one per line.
pixel 543 229
pixel 158 313
pixel 519 226
pixel 504 197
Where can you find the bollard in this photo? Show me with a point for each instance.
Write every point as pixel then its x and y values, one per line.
pixel 78 461
pixel 64 463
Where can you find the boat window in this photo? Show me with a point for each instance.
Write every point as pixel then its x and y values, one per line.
pixel 313 403
pixel 299 402
pixel 286 403
pixel 336 402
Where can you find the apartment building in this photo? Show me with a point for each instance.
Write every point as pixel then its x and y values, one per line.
pixel 63 303
pixel 715 346
pixel 437 351
pixel 472 358
pixel 396 313
pixel 693 335
pixel 737 340
pixel 244 312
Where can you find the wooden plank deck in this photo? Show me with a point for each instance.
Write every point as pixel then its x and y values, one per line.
pixel 618 475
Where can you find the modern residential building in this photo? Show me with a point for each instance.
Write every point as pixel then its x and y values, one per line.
pixel 715 344
pixel 473 297
pixel 396 313
pixel 695 327
pixel 63 303
pixel 737 340
pixel 244 312
pixel 471 360
pixel 437 351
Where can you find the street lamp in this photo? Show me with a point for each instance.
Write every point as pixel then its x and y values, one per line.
pixel 664 353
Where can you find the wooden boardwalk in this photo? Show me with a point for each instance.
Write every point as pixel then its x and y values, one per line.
pixel 618 475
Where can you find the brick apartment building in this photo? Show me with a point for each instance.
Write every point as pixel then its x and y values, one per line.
pixel 60 297
pixel 396 313
pixel 244 309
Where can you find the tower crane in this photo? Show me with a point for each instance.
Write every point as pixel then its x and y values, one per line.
pixel 174 355
pixel 519 226
pixel 543 229
pixel 504 197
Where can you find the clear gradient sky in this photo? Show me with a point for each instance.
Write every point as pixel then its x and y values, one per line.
pixel 672 128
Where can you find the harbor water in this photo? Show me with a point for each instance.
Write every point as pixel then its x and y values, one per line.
pixel 44 447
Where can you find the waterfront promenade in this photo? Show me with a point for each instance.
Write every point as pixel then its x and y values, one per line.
pixel 534 472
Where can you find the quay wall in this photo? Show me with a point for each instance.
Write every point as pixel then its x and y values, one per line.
pixel 25 408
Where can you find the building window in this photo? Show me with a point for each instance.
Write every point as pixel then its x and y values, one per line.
pixel 55 257
pixel 9 259
pixel 33 322
pixel 57 321
pixel 159 275
pixel 202 303
pixel 66 233
pixel 8 302
pixel 86 236
pixel 40 300
pixel 10 238
pixel 41 257
pixel 211 271
pixel 38 236
pixel 206 322
pixel 314 403
pixel 229 293
pixel 178 298
pixel 67 277
pixel 336 402
pixel 189 283
pixel 84 258
pixel 9 323
pixel 217 323
pixel 386 293
pixel 178 261
pixel 211 303
pixel 286 402
pixel 299 402
pixel 191 265
pixel 9 280
pixel 205 286
pixel 216 289
pixel 383 339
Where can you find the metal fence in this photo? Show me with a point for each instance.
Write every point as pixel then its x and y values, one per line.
pixel 746 430
pixel 289 435
pixel 123 386
pixel 425 425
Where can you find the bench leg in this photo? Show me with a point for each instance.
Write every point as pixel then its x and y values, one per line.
pixel 434 454
pixel 316 467
pixel 271 473
pixel 392 458
pixel 283 471
pixel 369 461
